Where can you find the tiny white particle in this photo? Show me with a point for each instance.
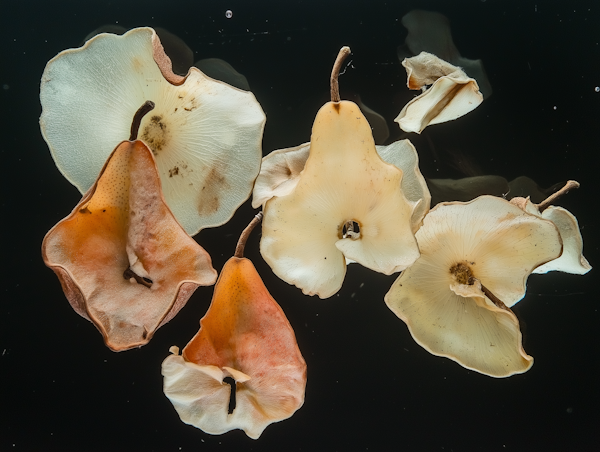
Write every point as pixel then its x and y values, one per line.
pixel 229 14
pixel 597 88
pixel 554 107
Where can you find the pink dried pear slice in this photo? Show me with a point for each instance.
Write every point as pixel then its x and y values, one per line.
pixel 244 336
pixel 123 260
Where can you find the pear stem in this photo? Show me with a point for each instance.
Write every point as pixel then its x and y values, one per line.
pixel 563 191
pixel 493 297
pixel 129 273
pixel 137 119
pixel 239 249
pixel 335 72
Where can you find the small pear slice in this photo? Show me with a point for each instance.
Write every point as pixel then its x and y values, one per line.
pixel 123 260
pixel 448 93
pixel 246 336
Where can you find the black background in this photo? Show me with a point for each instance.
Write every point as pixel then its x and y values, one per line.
pixel 370 386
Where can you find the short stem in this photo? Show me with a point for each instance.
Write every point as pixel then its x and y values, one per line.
pixel 497 301
pixel 129 273
pixel 137 119
pixel 239 249
pixel 335 72
pixel 563 191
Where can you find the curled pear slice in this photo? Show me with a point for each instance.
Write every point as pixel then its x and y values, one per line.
pixel 474 263
pixel 244 336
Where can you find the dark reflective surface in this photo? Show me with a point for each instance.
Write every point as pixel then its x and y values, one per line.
pixel 370 386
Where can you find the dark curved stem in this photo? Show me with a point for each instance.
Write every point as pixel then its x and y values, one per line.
pixel 335 72
pixel 129 273
pixel 239 249
pixel 137 119
pixel 563 191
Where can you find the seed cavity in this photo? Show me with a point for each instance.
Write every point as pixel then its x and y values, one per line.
pixel 351 230
pixel 463 274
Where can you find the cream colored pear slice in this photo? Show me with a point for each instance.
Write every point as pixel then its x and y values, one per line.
pixel 344 180
pixel 487 242
pixel 469 330
pixel 448 93
pixel 205 135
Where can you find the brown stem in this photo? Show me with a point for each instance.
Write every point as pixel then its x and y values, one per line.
pixel 497 301
pixel 137 119
pixel 563 191
pixel 239 249
pixel 129 273
pixel 335 72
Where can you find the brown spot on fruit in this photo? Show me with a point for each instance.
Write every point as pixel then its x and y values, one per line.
pixel 192 105
pixel 212 189
pixel 413 83
pixel 137 64
pixel 174 171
